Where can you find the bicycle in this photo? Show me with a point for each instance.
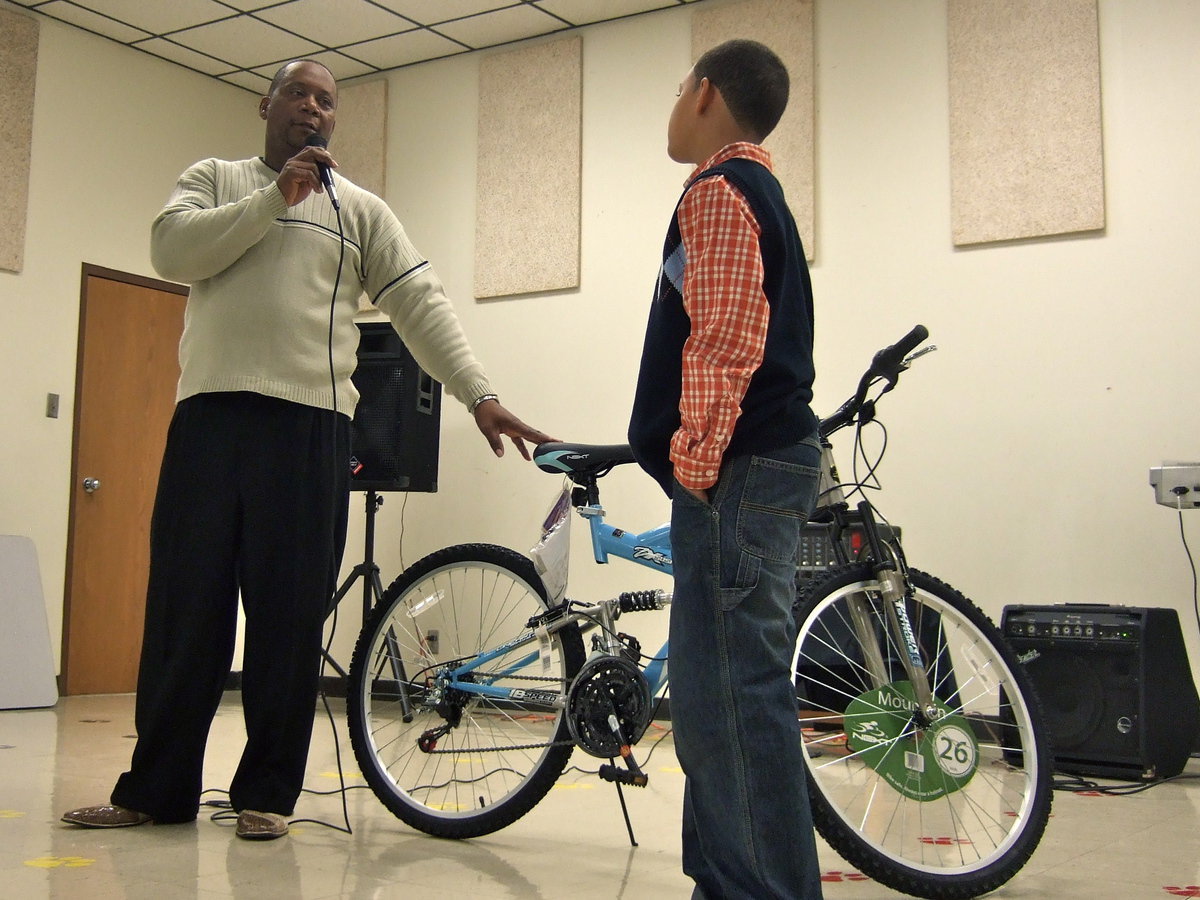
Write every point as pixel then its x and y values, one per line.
pixel 927 759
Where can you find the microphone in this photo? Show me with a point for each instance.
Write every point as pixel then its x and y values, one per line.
pixel 316 140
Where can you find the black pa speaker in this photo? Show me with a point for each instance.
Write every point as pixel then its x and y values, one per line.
pixel 1115 685
pixel 395 433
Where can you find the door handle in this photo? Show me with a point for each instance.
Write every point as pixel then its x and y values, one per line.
pixel 91 485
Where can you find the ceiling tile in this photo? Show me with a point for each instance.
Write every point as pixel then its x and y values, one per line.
pixel 431 12
pixel 404 49
pixel 490 29
pixel 583 12
pixel 184 56
pixel 94 22
pixel 336 22
pixel 246 42
pixel 159 18
pixel 341 66
pixel 248 80
pixel 252 5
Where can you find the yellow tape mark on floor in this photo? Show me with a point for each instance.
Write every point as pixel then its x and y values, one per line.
pixel 56 862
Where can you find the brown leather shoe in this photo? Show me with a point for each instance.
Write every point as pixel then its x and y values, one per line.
pixel 105 817
pixel 260 826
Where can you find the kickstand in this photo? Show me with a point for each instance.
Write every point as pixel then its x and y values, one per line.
pixel 625 811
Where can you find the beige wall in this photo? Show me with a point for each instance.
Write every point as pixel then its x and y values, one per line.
pixel 1019 451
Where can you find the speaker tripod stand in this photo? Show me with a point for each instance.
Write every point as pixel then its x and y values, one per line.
pixel 367 570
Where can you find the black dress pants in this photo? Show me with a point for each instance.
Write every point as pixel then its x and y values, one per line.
pixel 251 499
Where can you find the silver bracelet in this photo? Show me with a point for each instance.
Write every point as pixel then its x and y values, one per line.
pixel 475 403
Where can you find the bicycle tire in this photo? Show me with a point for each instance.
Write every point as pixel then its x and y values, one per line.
pixel 497 757
pixel 955 829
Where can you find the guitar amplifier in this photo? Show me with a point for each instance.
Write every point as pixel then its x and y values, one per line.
pixel 1115 685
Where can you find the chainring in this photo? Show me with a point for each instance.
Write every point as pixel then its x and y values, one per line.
pixel 608 687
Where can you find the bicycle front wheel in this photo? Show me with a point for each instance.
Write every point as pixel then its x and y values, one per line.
pixel 945 807
pixel 451 762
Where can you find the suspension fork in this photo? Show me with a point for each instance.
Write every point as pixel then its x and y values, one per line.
pixel 894 591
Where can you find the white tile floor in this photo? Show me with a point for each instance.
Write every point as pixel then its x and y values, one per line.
pixel 573 845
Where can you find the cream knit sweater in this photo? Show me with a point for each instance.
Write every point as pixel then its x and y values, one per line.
pixel 262 276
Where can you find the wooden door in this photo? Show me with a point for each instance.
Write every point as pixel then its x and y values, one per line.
pixel 126 374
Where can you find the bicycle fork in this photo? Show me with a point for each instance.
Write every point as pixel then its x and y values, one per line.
pixel 894 592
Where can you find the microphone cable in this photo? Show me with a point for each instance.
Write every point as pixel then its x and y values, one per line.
pixel 327 179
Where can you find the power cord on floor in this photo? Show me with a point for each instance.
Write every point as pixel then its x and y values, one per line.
pixel 1075 784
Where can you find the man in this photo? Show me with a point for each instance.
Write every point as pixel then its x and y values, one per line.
pixel 721 419
pixel 253 491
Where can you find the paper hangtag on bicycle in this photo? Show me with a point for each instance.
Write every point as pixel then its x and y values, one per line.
pixel 551 554
pixel 923 764
pixel 545 651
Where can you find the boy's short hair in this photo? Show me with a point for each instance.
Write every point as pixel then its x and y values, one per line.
pixel 752 80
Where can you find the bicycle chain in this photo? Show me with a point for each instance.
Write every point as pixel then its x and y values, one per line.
pixel 500 749
pixel 510 677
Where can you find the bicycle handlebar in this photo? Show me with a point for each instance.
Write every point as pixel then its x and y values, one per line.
pixel 887 363
pixel 592 461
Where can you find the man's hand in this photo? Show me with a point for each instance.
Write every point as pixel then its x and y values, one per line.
pixel 299 176
pixel 494 420
pixel 702 496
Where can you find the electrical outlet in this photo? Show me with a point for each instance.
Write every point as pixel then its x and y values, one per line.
pixel 52 406
pixel 1176 485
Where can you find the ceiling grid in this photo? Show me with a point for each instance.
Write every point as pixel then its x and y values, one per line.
pixel 243 42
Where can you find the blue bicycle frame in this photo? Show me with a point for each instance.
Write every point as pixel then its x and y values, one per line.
pixel 651 549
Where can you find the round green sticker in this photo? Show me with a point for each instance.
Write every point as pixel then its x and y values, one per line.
pixel 923 764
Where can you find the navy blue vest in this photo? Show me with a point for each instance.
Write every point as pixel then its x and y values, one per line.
pixel 775 410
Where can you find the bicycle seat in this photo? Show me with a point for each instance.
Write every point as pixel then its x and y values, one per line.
pixel 581 459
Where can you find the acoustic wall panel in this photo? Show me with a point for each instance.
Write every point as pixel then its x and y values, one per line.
pixel 786 26
pixel 360 140
pixel 528 180
pixel 1026 149
pixel 18 72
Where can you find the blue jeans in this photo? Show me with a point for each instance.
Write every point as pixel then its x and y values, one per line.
pixel 747 829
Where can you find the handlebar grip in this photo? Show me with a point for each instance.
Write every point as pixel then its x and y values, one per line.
pixel 887 361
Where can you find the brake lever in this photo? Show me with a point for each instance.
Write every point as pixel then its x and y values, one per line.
pixel 908 360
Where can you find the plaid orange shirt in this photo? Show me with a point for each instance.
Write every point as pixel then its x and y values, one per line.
pixel 723 296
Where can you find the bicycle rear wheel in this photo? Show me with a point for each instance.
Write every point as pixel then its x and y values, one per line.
pixel 946 809
pixel 445 761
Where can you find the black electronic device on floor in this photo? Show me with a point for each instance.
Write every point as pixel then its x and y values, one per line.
pixel 1115 685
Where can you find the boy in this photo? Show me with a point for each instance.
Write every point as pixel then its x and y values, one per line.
pixel 722 421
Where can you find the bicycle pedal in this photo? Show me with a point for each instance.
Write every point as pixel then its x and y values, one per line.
pixel 623 776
